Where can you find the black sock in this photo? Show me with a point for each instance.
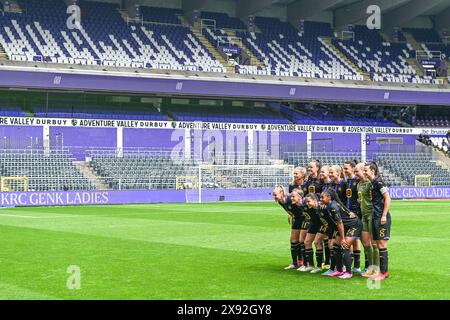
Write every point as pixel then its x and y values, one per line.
pixel 309 257
pixel 338 258
pixel 319 258
pixel 384 260
pixel 357 259
pixel 327 251
pixel 347 260
pixel 332 260
pixel 366 259
pixel 302 252
pixel 294 252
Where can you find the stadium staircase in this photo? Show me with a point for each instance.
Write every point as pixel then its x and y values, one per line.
pixel 254 61
pixel 413 63
pixel 3 55
pixel 89 174
pixel 411 40
pixel 15 7
pixel 345 59
pixel 386 37
pixel 213 50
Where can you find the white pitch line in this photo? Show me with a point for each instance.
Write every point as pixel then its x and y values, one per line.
pixel 17 216
pixel 33 217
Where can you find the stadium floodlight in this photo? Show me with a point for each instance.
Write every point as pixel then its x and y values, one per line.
pixel 422 180
pixel 13 184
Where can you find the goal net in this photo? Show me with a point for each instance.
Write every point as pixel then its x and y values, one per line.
pixel 14 184
pixel 238 178
pixel 422 180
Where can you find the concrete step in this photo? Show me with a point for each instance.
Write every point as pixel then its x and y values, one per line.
pixel 410 39
pixel 413 63
pixel 89 174
pixel 184 21
pixel 253 59
pixel 345 59
pixel 386 37
pixel 15 7
pixel 213 50
pixel 3 55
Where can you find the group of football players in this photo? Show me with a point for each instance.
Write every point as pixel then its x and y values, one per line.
pixel 334 209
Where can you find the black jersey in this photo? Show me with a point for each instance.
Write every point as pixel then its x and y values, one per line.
pixel 352 196
pixel 326 185
pixel 314 185
pixel 303 187
pixel 377 190
pixel 340 188
pixel 292 209
pixel 338 213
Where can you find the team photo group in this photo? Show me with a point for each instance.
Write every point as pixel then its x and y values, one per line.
pixel 336 212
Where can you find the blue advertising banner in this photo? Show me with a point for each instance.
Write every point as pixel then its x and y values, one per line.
pixel 231 49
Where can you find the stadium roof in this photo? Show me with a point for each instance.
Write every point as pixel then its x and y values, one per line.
pixel 395 13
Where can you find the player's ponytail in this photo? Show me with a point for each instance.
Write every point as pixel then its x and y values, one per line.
pixel 318 164
pixel 373 166
pixel 351 163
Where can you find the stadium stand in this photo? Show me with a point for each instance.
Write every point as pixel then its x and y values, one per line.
pixel 225 114
pixel 336 115
pixel 224 21
pixel 286 51
pixel 45 172
pixel 40 34
pixel 407 166
pixel 432 121
pixel 158 170
pixel 384 61
pixel 424 35
pixel 161 15
pixel 129 112
pixel 140 170
pixel 440 144
pixel 161 41
pixel 11 111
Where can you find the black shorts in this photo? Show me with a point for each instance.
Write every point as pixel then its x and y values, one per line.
pixel 297 222
pixel 381 232
pixel 314 226
pixel 354 230
pixel 332 232
pixel 325 227
pixel 306 224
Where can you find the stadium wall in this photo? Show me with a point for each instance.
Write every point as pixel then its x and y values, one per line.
pixel 79 140
pixel 229 88
pixel 80 135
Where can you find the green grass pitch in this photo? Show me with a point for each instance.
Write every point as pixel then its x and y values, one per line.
pixel 203 251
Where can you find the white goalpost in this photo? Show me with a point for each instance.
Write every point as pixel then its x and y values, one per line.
pixel 241 178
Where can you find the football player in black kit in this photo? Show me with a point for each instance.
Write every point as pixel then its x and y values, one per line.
pixel 314 183
pixel 327 243
pixel 295 220
pixel 353 205
pixel 299 182
pixel 338 182
pixel 381 217
pixel 348 229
